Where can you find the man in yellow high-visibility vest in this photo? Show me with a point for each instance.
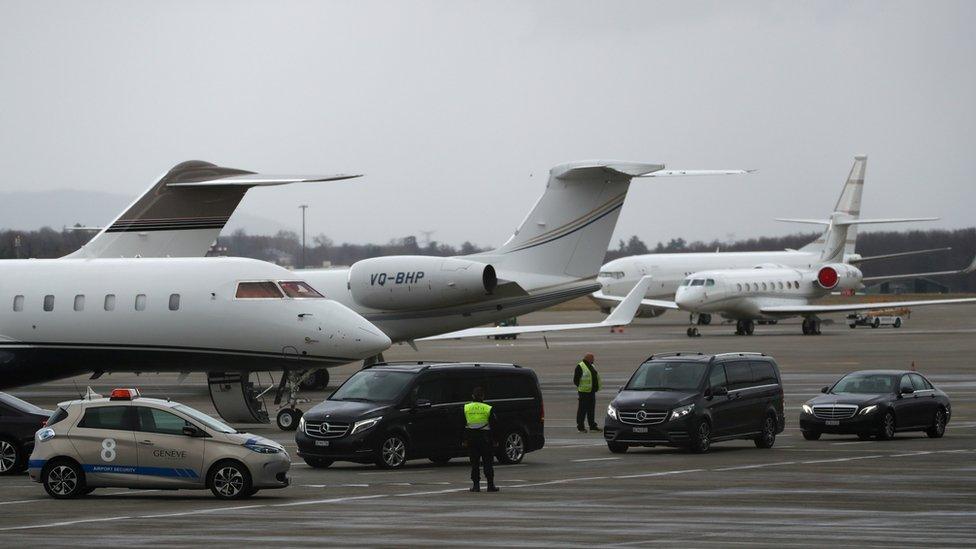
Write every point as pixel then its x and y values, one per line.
pixel 587 381
pixel 479 419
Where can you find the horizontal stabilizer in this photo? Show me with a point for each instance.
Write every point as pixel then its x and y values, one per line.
pixel 258 180
pixel 823 309
pixel 622 315
pixel 693 173
pixel 848 222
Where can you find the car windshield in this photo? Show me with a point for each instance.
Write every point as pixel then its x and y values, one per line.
pixel 205 419
pixel 374 386
pixel 667 376
pixel 23 406
pixel 865 384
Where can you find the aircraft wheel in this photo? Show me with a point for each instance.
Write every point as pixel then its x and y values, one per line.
pixel 750 327
pixel 898 322
pixel 288 418
pixel 693 332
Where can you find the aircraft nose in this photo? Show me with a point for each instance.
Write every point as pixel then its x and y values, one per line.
pixel 354 336
pixel 683 299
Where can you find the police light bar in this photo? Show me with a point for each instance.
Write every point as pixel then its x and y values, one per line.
pixel 124 394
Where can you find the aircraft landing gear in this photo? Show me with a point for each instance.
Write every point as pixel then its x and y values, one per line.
pixel 744 327
pixel 316 380
pixel 693 332
pixel 811 326
pixel 704 319
pixel 291 382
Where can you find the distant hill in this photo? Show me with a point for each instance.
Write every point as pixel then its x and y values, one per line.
pixel 28 211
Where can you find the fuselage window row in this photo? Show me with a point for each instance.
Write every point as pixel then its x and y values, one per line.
pixel 109 303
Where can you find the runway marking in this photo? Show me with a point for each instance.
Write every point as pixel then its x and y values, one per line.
pixel 660 473
pixel 836 460
pixel 756 466
pixel 594 459
pixel 345 499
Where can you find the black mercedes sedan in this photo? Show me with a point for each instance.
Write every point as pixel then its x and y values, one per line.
pixel 19 421
pixel 877 402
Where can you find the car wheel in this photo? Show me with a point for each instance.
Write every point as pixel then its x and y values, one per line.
pixel 767 437
pixel 897 323
pixel 11 457
pixel 938 425
pixel 852 326
pixel 318 463
pixel 288 418
pixel 230 480
pixel 392 453
pixel 63 480
pixel 513 448
pixel 811 435
pixel 440 460
pixel 617 448
pixel 886 431
pixel 864 436
pixel 701 440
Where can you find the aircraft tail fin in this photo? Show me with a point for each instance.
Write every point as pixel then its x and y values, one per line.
pixel 849 205
pixel 567 232
pixel 183 212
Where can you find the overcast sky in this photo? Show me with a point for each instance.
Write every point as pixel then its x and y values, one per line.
pixel 456 110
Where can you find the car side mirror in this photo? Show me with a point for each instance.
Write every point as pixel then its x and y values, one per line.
pixel 907 390
pixel 422 403
pixel 824 389
pixel 192 431
pixel 720 391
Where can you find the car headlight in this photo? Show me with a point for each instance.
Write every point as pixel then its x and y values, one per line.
pixel 611 411
pixel 263 448
pixel 868 410
pixel 45 434
pixel 807 409
pixel 679 413
pixel 365 424
pixel 301 424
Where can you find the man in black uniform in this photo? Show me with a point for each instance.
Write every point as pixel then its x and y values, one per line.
pixel 587 382
pixel 479 421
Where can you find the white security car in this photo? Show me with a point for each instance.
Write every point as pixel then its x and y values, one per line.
pixel 133 442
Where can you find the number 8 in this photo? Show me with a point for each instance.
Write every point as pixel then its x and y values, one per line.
pixel 108 449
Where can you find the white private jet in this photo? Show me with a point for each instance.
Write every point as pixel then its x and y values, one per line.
pixel 552 257
pixel 64 317
pixel 619 276
pixel 773 292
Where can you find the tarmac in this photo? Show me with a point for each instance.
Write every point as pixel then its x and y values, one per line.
pixel 837 491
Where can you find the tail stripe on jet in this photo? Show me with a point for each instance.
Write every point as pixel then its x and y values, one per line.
pixel 601 211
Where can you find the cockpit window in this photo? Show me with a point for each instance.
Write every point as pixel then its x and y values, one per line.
pixel 258 290
pixel 611 274
pixel 710 282
pixel 296 288
pixel 698 282
pixel 685 282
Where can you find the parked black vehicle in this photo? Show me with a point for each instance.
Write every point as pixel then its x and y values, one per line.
pixel 877 402
pixel 692 400
pixel 394 412
pixel 19 421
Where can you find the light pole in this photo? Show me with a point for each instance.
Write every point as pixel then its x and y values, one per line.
pixel 303 208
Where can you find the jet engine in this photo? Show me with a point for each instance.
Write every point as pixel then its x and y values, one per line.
pixel 839 276
pixel 409 282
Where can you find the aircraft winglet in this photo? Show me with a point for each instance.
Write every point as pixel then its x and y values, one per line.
pixel 622 315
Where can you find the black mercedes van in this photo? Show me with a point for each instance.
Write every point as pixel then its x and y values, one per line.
pixel 390 413
pixel 692 400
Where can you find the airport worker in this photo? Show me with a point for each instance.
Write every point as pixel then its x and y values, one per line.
pixel 587 381
pixel 479 419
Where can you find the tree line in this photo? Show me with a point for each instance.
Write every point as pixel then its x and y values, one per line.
pixel 285 248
